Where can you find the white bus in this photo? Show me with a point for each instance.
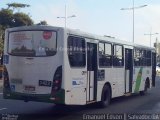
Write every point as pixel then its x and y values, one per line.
pixel 64 66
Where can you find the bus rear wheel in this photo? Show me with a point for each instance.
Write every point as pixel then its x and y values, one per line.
pixel 145 89
pixel 106 97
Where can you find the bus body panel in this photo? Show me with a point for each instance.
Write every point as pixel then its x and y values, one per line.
pixel 114 76
pixel 28 73
pixel 30 76
pixel 118 81
pixel 75 79
pixel 77 87
pixel 140 76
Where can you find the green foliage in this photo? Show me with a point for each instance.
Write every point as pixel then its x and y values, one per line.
pixel 21 19
pixel 16 6
pixel 10 19
pixel 42 23
pixel 1 37
pixel 6 17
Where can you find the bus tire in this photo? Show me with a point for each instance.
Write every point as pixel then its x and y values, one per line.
pixel 145 89
pixel 60 105
pixel 106 96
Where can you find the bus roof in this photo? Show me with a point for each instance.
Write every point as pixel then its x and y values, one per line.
pixel 106 39
pixel 80 33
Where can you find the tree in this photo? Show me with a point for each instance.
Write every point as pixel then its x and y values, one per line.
pixel 21 19
pixel 17 6
pixel 1 37
pixel 42 23
pixel 10 19
pixel 6 17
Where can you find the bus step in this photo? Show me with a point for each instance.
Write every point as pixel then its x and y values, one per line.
pixel 89 102
pixel 127 94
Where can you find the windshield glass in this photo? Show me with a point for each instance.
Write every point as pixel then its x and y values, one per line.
pixel 32 43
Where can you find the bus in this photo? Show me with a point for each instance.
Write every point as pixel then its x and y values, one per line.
pixel 70 67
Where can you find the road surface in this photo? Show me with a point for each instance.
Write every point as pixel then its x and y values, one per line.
pixel 150 103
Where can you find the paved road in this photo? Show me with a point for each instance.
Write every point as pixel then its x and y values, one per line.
pixel 149 103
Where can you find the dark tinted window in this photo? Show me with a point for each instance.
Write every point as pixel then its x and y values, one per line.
pixel 142 57
pixel 137 57
pixel 105 54
pixel 148 58
pixel 76 51
pixel 118 56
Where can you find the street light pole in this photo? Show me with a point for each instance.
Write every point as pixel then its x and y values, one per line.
pixel 133 21
pixel 151 34
pixel 66 17
pixel 133 9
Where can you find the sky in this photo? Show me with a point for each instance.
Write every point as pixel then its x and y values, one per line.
pixel 100 17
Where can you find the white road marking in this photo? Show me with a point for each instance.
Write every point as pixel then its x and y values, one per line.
pixel 3 108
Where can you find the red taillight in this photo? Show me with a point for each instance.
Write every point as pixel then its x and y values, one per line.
pixel 57 80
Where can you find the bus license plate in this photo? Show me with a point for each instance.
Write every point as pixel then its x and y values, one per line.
pixel 29 88
pixel 45 83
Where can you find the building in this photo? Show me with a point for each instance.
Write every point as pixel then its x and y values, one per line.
pixel 157 47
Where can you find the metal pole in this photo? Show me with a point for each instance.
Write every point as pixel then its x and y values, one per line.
pixel 133 21
pixel 65 16
pixel 133 8
pixel 156 45
pixel 150 37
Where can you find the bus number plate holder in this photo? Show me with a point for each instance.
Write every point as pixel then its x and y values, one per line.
pixel 45 83
pixel 29 88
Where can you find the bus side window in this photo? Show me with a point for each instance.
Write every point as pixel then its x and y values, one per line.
pixel 137 57
pixel 76 51
pixel 142 57
pixel 118 59
pixel 105 54
pixel 101 54
pixel 148 58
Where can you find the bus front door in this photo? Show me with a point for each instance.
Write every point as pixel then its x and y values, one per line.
pixel 91 71
pixel 128 70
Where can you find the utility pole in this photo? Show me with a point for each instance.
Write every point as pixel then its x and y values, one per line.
pixel 133 9
pixel 151 34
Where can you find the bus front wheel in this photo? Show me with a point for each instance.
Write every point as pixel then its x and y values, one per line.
pixel 106 96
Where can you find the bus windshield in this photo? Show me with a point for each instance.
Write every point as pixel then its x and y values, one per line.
pixel 32 43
